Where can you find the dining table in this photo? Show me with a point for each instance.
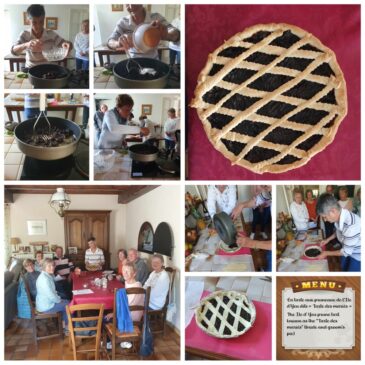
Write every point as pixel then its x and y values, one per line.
pixel 99 295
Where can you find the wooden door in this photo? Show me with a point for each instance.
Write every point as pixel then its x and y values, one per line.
pixel 80 225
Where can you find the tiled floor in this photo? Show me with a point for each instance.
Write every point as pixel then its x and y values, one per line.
pixel 13 159
pixel 19 345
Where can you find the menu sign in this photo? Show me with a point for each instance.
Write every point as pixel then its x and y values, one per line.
pixel 318 314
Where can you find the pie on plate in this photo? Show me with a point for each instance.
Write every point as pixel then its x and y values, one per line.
pixel 271 97
pixel 225 314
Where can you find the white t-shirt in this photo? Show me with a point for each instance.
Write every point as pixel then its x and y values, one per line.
pixel 175 45
pixel 300 215
pixel 160 284
pixel 170 126
pixel 81 44
pixel 225 202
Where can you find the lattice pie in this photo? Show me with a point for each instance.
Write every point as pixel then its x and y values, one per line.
pixel 225 314
pixel 271 97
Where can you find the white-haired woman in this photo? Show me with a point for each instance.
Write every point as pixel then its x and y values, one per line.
pixel 47 300
pixel 159 281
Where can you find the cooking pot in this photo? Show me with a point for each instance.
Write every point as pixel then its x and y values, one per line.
pixel 312 252
pixel 226 230
pixel 133 80
pixel 35 76
pixel 143 152
pixel 25 129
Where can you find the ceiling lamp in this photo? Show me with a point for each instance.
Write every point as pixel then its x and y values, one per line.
pixel 60 202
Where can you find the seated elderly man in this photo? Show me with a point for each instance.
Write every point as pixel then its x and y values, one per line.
pixel 121 38
pixel 62 271
pixel 348 232
pixel 36 40
pixel 94 256
pixel 142 270
pixel 31 277
pixel 159 281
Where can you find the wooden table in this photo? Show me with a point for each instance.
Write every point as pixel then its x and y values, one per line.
pixel 102 51
pixel 20 59
pixel 18 106
pixel 283 354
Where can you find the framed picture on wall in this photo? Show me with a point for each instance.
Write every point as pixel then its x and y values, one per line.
pixel 72 250
pixel 51 23
pixel 146 109
pixel 26 21
pixel 117 7
pixel 145 238
pixel 37 227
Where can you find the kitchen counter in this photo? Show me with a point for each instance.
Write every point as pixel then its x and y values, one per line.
pixel 107 81
pixel 121 169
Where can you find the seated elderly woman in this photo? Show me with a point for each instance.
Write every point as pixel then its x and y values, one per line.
pixel 38 261
pixel 31 277
pixel 159 281
pixel 121 38
pixel 47 300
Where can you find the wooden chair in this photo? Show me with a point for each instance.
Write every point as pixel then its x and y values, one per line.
pixel 87 309
pixel 112 333
pixel 157 317
pixel 38 316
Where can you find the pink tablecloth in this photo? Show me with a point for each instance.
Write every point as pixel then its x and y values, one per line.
pixel 337 26
pixel 241 251
pixel 100 295
pixel 255 344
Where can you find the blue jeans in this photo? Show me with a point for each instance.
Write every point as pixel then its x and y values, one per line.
pixel 30 113
pixel 174 56
pixel 350 264
pixel 268 261
pixel 60 307
pixel 82 64
pixel 169 144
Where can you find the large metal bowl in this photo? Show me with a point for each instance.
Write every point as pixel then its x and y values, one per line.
pixel 225 228
pixel 35 74
pixel 125 81
pixel 24 129
pixel 143 152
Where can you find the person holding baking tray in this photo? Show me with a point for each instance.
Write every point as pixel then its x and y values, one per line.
pixel 38 38
pixel 121 38
pixel 115 128
pixel 347 232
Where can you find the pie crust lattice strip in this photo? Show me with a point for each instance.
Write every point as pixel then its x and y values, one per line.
pixel 225 314
pixel 271 97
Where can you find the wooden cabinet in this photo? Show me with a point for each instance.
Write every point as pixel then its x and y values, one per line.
pixel 82 224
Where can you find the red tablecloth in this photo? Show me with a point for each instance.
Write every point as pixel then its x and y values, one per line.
pixel 100 295
pixel 255 344
pixel 337 26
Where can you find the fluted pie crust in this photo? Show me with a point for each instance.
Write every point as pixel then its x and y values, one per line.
pixel 271 97
pixel 225 314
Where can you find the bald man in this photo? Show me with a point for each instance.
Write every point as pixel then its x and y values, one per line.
pixel 142 270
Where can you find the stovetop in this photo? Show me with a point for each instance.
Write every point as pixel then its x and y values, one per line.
pixel 73 167
pixel 153 169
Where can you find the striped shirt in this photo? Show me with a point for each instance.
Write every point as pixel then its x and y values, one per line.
pixel 126 25
pixel 49 40
pixel 348 232
pixel 264 198
pixel 94 260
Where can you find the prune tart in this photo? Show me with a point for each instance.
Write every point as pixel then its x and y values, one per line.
pixel 225 314
pixel 271 97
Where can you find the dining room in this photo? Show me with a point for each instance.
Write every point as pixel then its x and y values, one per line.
pixel 91 272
